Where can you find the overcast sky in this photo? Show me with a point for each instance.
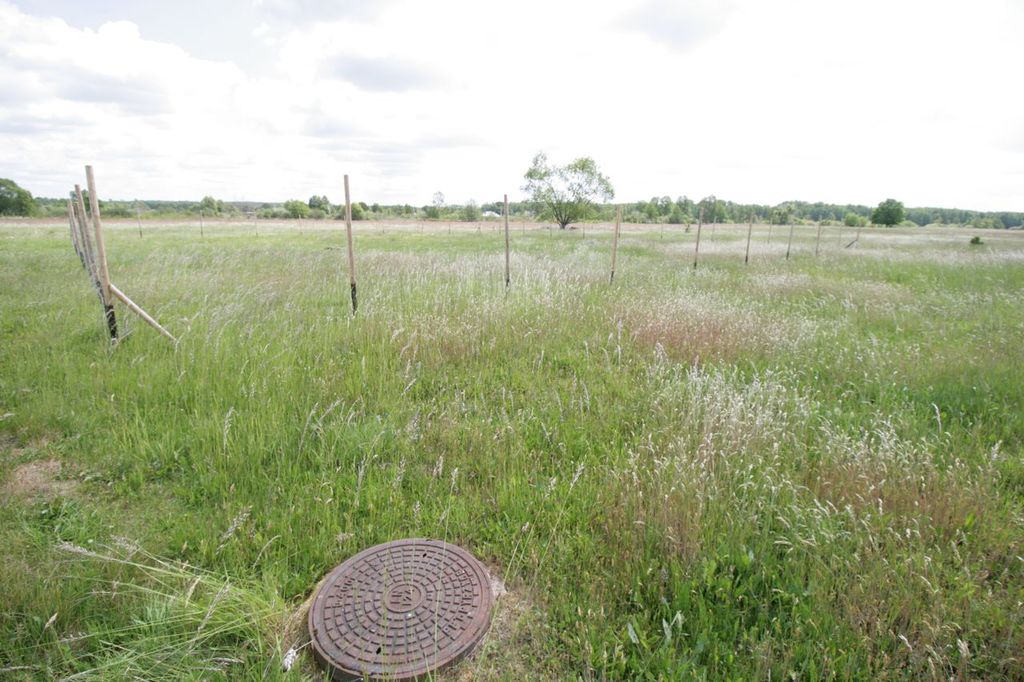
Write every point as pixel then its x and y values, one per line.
pixel 844 101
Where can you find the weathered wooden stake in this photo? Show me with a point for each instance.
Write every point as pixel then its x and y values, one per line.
pixel 83 238
pixel 856 238
pixel 202 233
pixel 74 234
pixel 351 254
pixel 750 229
pixel 817 244
pixel 101 255
pixel 140 312
pixel 789 245
pixel 700 224
pixel 507 270
pixel 615 241
pixel 138 219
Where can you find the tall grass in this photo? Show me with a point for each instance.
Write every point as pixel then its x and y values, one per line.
pixel 809 468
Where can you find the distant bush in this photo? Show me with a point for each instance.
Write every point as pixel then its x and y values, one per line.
pixel 316 214
pixel 976 240
pixel 853 220
pixel 988 223
pixel 273 214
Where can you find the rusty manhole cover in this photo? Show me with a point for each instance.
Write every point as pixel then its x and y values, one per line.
pixel 400 610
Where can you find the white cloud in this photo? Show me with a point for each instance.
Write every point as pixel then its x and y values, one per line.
pixel 755 100
pixel 679 24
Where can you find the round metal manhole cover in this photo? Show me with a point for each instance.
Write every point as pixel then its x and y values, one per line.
pixel 400 610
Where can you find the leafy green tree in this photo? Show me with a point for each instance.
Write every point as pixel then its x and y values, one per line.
pixel 296 208
pixel 319 202
pixel 471 212
pixel 566 194
pixel 14 200
pixel 678 217
pixel 714 209
pixel 209 205
pixel 779 215
pixel 890 212
pixel 651 213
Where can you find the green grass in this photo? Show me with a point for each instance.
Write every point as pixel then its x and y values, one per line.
pixel 808 468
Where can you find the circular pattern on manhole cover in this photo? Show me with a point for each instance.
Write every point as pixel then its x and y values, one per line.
pixel 400 610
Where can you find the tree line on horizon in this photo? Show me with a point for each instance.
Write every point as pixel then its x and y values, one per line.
pixel 683 210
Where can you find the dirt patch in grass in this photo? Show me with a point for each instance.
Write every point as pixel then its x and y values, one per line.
pixel 509 649
pixel 38 479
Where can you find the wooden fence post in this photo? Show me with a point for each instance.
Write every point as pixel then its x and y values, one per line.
pixel 507 271
pixel 789 244
pixel 700 224
pixel 750 228
pixel 351 255
pixel 615 241
pixel 101 256
pixel 138 219
pixel 202 232
pixel 74 232
pixel 81 221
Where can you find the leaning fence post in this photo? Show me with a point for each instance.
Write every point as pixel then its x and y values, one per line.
pixel 74 237
pixel 750 228
pixel 351 255
pixel 789 245
pixel 615 241
pixel 81 221
pixel 101 256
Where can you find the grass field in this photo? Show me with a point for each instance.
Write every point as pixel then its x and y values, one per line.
pixel 794 469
